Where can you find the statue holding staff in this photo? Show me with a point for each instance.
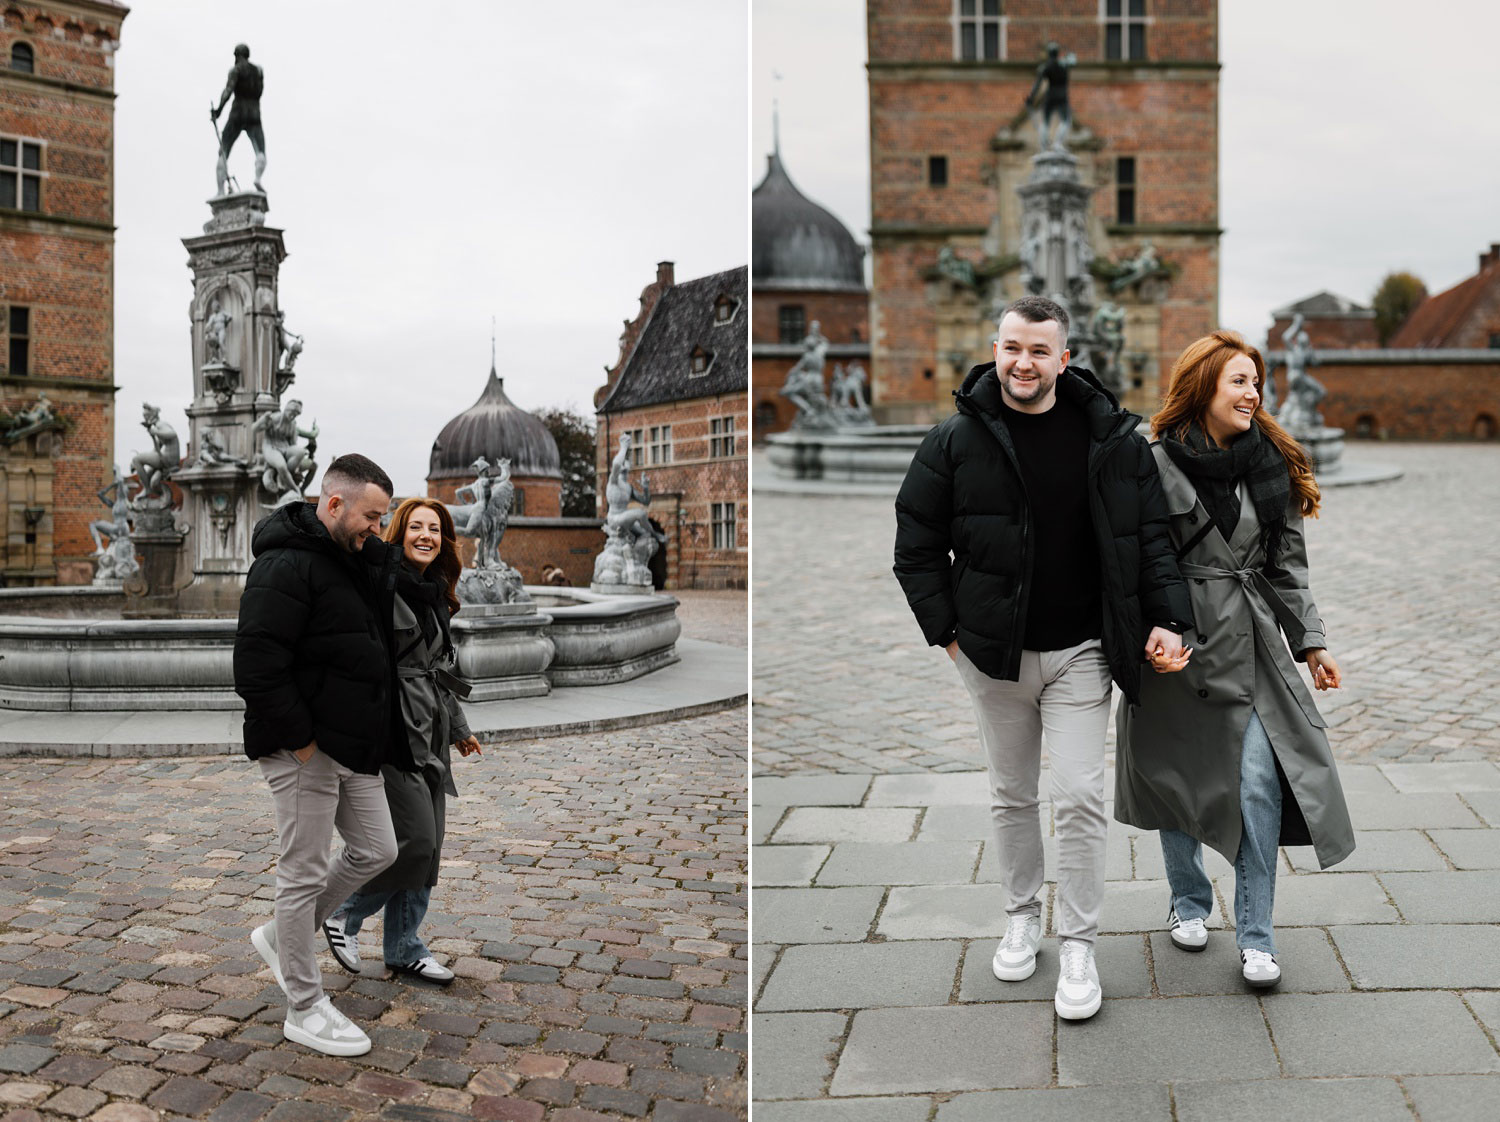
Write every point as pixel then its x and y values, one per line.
pixel 246 81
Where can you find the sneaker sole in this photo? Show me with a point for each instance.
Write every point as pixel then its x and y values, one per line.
pixel 1263 984
pixel 338 955
pixel 327 1047
pixel 1078 1013
pixel 262 947
pixel 1182 946
pixel 404 972
pixel 1013 973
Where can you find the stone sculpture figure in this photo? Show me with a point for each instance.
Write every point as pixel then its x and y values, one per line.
pixel 487 513
pixel 246 81
pixel 117 525
pixel 849 394
pixel 215 333
pixel 1033 268
pixel 1299 413
pixel 211 451
pixel 804 382
pixel 952 265
pixel 630 539
pixel 286 453
pixel 1108 328
pixel 154 467
pixel 1137 268
pixel 39 413
pixel 288 345
pixel 1054 103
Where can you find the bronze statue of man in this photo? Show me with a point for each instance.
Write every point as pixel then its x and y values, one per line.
pixel 1055 101
pixel 245 84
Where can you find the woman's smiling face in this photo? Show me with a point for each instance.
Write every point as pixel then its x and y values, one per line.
pixel 1231 409
pixel 424 537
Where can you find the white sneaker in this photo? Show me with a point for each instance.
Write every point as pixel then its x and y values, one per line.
pixel 1187 934
pixel 427 968
pixel 345 947
pixel 1078 993
pixel 1260 968
pixel 263 939
pixel 1015 957
pixel 322 1027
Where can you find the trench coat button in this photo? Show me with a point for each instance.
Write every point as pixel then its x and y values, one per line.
pixel 1202 638
pixel 1192 520
pixel 1197 580
pixel 1202 693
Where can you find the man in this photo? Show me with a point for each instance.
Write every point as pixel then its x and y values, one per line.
pixel 1032 544
pixel 313 660
pixel 246 81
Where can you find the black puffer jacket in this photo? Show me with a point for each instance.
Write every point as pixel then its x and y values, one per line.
pixel 963 495
pixel 313 652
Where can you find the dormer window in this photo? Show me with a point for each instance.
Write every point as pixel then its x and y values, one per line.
pixel 724 308
pixel 701 361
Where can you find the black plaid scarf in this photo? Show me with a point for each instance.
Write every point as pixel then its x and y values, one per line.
pixel 1217 472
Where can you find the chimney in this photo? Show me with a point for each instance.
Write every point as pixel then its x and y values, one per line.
pixel 664 274
pixel 1490 258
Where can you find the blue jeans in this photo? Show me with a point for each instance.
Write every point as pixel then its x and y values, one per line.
pixel 1255 864
pixel 404 909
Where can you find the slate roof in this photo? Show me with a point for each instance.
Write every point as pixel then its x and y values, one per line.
pixel 494 427
pixel 795 243
pixel 1322 305
pixel 1435 321
pixel 660 369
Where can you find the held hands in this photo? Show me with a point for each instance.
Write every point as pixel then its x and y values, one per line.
pixel 468 746
pixel 1165 652
pixel 1325 672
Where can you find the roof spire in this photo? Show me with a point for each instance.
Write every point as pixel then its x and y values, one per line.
pixel 776 118
pixel 492 346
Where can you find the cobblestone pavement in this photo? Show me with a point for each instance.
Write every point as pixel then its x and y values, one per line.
pixel 592 903
pixel 1405 574
pixel 714 615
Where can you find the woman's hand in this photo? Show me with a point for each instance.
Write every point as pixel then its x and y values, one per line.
pixel 1325 672
pixel 1164 663
pixel 468 746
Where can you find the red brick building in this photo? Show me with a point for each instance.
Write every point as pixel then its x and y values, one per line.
pixel 1439 378
pixel 1330 321
pixel 57 240
pixel 681 388
pixel 950 142
pixel 805 268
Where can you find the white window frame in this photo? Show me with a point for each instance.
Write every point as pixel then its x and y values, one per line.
pixel 729 302
pixel 723 519
pixel 980 21
pixel 637 448
pixel 1126 21
pixel 40 174
pixel 659 441
pixel 721 437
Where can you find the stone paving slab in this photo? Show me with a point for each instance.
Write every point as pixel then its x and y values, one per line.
pixel 1462 897
pixel 918 862
pixel 837 824
pixel 1395 811
pixel 852 976
pixel 1421 956
pixel 815 915
pixel 1486 804
pixel 967 1048
pixel 1486 1006
pixel 1469 849
pixel 1377 850
pixel 1309 965
pixel 1453 1098
pixel 1444 777
pixel 592 903
pixel 1144 1040
pixel 904 1109
pixel 1064 1104
pixel 1369 1100
pixel 1378 1034
pixel 794 1053
pixel 814 790
pixel 950 911
pixel 786 866
pixel 1317 899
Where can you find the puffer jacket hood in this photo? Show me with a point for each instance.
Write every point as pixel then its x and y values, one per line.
pixel 296 526
pixel 980 395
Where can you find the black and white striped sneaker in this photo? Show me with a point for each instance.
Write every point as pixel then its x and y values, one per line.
pixel 345 947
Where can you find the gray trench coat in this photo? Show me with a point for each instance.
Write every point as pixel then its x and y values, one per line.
pixel 1178 758
pixel 433 721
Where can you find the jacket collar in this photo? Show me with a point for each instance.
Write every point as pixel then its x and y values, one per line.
pixel 1180 493
pixel 980 395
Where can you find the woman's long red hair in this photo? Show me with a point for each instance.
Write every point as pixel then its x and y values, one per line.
pixel 446 564
pixel 1195 379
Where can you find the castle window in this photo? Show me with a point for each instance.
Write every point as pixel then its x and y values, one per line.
pixel 20 173
pixel 978 30
pixel 721 518
pixel 1125 190
pixel 1124 28
pixel 637 447
pixel 724 308
pixel 1494 340
pixel 720 437
pixel 518 502
pixel 22 58
pixel 659 446
pixel 937 171
pixel 701 360
pixel 19 322
pixel 791 323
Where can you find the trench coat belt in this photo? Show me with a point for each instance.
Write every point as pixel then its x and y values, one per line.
pixel 1251 579
pixel 438 676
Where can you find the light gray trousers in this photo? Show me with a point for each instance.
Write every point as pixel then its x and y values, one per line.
pixel 312 799
pixel 1062 697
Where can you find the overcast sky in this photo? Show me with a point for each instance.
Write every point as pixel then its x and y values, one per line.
pixel 431 167
pixel 1354 139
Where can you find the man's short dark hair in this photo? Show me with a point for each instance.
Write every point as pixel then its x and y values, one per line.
pixel 1038 309
pixel 354 471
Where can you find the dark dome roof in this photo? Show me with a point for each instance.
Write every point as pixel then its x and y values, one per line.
pixel 795 243
pixel 494 427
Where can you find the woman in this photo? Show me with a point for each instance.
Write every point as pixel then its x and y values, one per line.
pixel 1231 751
pixel 431 720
